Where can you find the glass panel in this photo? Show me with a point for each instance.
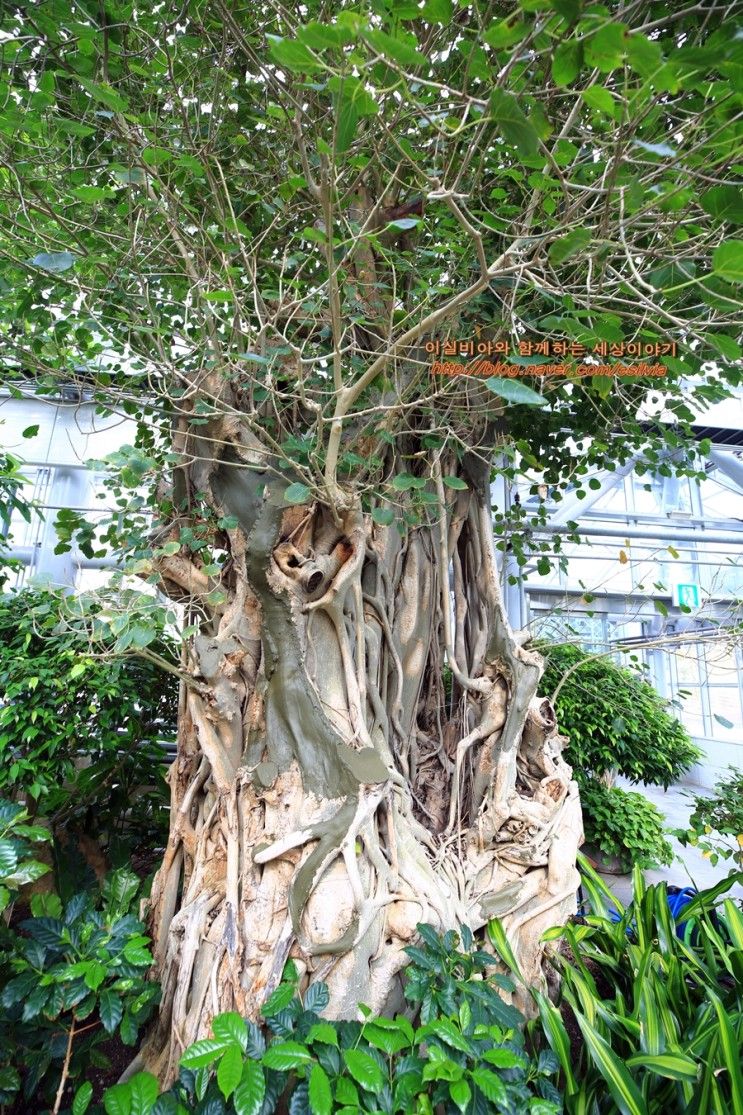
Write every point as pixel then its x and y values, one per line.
pixel 686 661
pixel 722 665
pixel 721 500
pixel 691 713
pixel 725 703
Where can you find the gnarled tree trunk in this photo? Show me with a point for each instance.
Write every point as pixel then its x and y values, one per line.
pixel 330 790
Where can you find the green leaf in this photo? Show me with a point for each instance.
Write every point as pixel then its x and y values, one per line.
pixel 91 194
pixel 570 245
pixel 285 1055
pixel 203 1052
pixel 456 483
pixel 605 49
pixel 438 11
pixel 117 1100
pixel 82 1099
pixel 156 156
pixel 30 431
pixel 461 1093
pixel 111 1009
pixel 514 392
pixel 566 63
pixel 229 1070
pixel 364 1069
pixel 644 55
pixel 725 345
pixel 505 32
pixel 248 1097
pixel 491 1086
pixel 143 1090
pixel 231 1027
pixel 297 493
pixel 599 98
pixel 292 55
pixel 728 261
pixel 54 261
pixel 324 1033
pixel 724 203
pixel 105 94
pixel 622 1087
pixel 400 48
pixel 674 1066
pixel 95 974
pixel 385 516
pixel 513 124
pixel 321 1097
pixel 8 858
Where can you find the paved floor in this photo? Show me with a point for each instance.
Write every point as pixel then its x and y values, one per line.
pixel 691 867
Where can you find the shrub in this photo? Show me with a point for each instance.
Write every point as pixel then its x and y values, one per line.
pixel 624 824
pixel 666 1036
pixel 615 721
pixel 717 817
pixel 77 732
pixel 74 975
pixel 467 1056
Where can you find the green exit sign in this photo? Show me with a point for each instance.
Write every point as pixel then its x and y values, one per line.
pixel 687 596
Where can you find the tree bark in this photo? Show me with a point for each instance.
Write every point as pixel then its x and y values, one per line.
pixel 330 789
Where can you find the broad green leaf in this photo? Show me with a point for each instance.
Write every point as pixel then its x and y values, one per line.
pixel 203 1052
pixel 438 11
pixel 491 1086
pixel 385 516
pixel 514 126
pixel 91 194
pixel 285 1055
pixel 644 55
pixel 117 1100
pixel 599 98
pixel 321 1097
pixel 143 1090
pixel 400 48
pixel 8 857
pixel 605 49
pixel 461 1093
pixel 30 431
pixel 566 62
pixel 292 55
pixel 82 1099
pixel 364 1069
pixel 248 1097
pixel 229 1070
pixel 111 1009
pixel 728 261
pixel 505 32
pixel 456 483
pixel 231 1027
pixel 514 392
pixel 105 94
pixel 725 203
pixel 570 245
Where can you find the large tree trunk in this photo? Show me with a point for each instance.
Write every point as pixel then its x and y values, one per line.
pixel 330 791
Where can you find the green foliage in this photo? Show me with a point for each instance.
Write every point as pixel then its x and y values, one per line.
pixel 716 817
pixel 614 720
pixel 467 1056
pixel 79 731
pixel 11 499
pixel 17 865
pixel 77 968
pixel 660 1011
pixel 560 180
pixel 624 824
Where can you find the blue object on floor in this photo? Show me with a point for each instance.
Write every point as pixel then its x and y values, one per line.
pixel 678 899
